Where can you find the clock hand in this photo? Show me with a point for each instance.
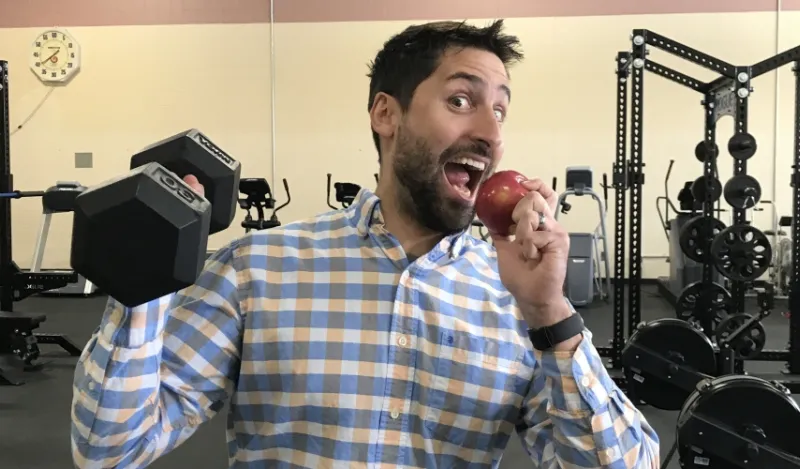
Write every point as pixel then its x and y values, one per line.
pixel 54 54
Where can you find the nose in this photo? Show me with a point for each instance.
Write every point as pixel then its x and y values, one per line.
pixel 487 129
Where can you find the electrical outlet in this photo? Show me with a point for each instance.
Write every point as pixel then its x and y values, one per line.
pixel 83 160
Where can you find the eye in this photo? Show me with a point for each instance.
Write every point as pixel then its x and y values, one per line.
pixel 460 101
pixel 500 114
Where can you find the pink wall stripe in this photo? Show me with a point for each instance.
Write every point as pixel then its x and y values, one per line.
pixel 45 13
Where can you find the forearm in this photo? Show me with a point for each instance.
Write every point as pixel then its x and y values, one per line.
pixel 585 402
pixel 116 410
pixel 143 384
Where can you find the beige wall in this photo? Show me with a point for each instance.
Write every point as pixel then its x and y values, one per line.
pixel 141 83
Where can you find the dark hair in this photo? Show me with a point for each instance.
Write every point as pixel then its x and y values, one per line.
pixel 410 57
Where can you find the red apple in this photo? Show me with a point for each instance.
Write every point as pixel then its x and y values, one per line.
pixel 497 198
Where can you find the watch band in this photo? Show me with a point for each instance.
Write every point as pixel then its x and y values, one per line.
pixel 547 337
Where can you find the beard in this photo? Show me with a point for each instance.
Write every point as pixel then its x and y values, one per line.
pixel 422 192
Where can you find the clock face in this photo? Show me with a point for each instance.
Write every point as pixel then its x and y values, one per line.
pixel 55 56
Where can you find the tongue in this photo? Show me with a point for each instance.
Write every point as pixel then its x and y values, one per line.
pixel 456 174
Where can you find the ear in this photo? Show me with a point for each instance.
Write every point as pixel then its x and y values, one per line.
pixel 384 115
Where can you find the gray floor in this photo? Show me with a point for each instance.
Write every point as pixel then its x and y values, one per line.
pixel 34 418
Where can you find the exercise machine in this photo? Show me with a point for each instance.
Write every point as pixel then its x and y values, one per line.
pixel 345 192
pixel 683 270
pixel 59 199
pixel 258 197
pixel 780 270
pixel 671 364
pixel 482 232
pixel 588 272
pixel 17 334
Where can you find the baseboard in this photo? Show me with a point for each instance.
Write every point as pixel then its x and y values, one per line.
pixel 644 281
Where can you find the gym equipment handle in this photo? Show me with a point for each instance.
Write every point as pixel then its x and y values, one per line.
pixel 21 194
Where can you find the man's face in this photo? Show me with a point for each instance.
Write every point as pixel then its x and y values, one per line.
pixel 449 140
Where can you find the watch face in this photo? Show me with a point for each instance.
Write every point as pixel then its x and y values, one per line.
pixel 55 56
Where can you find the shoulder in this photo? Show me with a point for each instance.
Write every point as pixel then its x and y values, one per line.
pixel 326 231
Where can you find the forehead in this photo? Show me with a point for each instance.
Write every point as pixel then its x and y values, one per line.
pixel 481 63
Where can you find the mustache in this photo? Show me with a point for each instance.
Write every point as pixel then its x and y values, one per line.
pixel 475 147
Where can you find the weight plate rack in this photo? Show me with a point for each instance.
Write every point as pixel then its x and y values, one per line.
pixel 694 362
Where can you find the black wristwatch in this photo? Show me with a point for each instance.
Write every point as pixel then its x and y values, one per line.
pixel 547 337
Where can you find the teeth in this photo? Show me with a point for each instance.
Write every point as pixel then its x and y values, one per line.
pixel 479 165
pixel 464 190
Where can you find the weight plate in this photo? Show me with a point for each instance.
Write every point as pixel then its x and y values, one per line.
pixel 676 341
pixel 749 343
pixel 758 410
pixel 741 252
pixel 742 191
pixel 699 189
pixel 704 149
pixel 742 146
pixel 694 236
pixel 720 304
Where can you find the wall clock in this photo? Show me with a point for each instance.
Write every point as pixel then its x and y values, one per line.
pixel 55 56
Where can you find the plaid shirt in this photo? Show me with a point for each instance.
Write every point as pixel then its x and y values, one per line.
pixel 336 351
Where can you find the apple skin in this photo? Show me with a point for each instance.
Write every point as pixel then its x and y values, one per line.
pixel 497 198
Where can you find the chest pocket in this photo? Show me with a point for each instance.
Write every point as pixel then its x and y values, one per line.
pixel 474 388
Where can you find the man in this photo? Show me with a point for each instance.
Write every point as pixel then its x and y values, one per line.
pixel 381 335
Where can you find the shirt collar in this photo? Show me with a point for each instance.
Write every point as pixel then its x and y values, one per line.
pixel 365 212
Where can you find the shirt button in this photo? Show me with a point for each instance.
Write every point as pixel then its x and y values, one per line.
pixel 586 382
pixel 402 341
pixel 92 386
pixel 395 414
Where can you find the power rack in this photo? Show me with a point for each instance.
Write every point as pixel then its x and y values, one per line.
pixel 726 95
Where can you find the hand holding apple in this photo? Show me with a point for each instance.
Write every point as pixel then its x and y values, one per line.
pixel 497 198
pixel 532 256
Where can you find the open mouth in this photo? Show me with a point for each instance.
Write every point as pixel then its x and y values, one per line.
pixel 464 175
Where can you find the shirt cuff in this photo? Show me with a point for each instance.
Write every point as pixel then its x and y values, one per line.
pixel 579 380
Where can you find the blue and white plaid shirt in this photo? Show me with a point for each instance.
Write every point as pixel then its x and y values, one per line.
pixel 337 352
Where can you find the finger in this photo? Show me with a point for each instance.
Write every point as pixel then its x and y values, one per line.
pixel 527 225
pixel 194 183
pixel 545 241
pixel 543 188
pixel 530 250
pixel 530 210
pixel 533 201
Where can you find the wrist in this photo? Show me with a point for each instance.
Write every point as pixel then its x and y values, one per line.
pixel 556 327
pixel 547 315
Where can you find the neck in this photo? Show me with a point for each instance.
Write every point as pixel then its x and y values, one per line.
pixel 416 240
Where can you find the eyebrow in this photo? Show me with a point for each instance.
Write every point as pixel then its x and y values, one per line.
pixel 476 80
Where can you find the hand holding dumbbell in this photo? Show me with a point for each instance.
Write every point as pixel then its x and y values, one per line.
pixel 145 234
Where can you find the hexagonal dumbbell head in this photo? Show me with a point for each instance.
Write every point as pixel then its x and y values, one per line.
pixel 191 152
pixel 140 236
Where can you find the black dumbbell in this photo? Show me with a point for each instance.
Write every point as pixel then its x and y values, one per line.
pixel 145 234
